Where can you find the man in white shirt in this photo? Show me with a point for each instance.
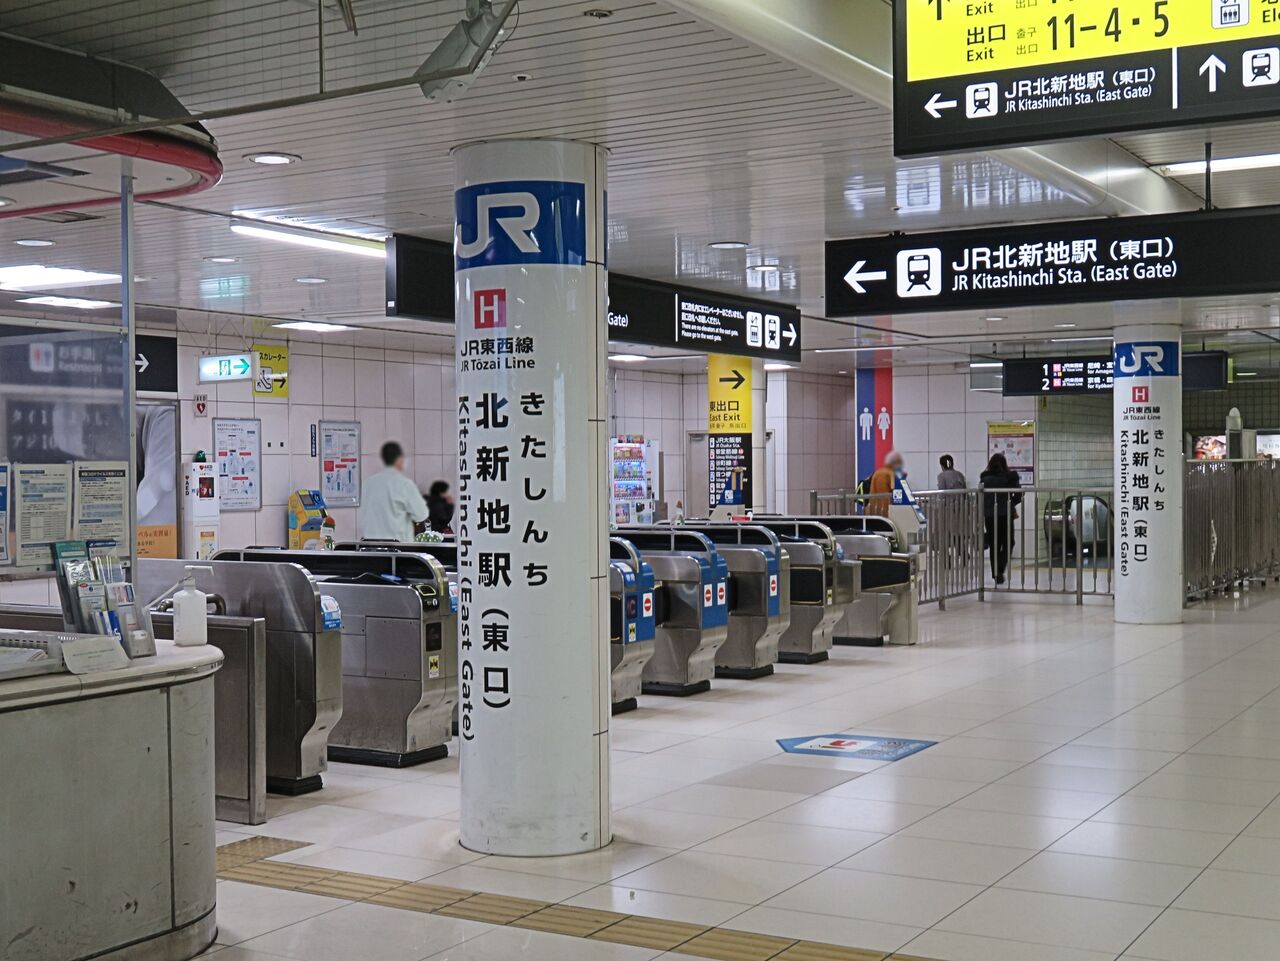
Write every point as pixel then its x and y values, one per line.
pixel 391 506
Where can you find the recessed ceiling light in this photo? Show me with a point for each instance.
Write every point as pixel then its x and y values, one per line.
pixel 7 201
pixel 272 158
pixel 764 268
pixel 598 13
pixel 842 372
pixel 310 280
pixel 628 358
pixel 1246 373
pixel 314 326
pixel 1065 326
pixel 985 365
pixel 1073 340
pixel 777 366
pixel 31 242
pixel 311 238
pixel 728 245
pixel 521 77
pixel 996 317
pixel 79 303
pixel 222 260
pixel 40 277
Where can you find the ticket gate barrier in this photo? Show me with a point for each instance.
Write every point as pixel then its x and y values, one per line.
pixel 823 584
pixel 759 595
pixel 633 618
pixel 399 651
pixel 304 655
pixel 693 598
pixel 890 601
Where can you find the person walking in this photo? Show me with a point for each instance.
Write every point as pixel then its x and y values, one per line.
pixel 950 479
pixel 999 511
pixel 391 506
pixel 882 483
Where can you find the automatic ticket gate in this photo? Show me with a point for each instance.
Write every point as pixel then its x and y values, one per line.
pixel 823 585
pixel 759 603
pixel 304 655
pixel 693 599
pixel 890 601
pixel 399 651
pixel 633 617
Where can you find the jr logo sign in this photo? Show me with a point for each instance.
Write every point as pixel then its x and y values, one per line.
pixel 1155 359
pixel 520 222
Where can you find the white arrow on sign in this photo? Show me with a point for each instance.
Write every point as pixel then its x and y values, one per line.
pixel 142 363
pixel 790 334
pixel 936 105
pixel 857 275
pixel 1214 66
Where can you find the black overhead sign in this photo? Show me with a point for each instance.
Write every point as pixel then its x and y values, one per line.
pixel 1129 258
pixel 156 364
pixel 983 73
pixel 664 315
pixel 1050 376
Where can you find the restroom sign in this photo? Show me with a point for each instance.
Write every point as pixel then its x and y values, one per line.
pixel 984 73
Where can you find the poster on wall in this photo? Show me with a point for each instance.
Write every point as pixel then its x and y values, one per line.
pixel 340 463
pixel 43 506
pixel 102 501
pixel 1016 439
pixel 157 444
pixel 237 443
pixel 1269 444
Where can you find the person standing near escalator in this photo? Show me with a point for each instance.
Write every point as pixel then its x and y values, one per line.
pixel 1000 502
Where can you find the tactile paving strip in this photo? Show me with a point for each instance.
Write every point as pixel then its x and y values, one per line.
pixel 246 861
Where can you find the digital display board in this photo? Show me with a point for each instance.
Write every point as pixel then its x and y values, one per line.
pixel 984 73
pixel 1200 254
pixel 1048 376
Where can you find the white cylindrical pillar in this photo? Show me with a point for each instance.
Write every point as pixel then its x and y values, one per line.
pixel 532 496
pixel 1147 424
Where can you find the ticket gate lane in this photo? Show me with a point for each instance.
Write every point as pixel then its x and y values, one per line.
pixel 889 602
pixel 633 622
pixel 399 650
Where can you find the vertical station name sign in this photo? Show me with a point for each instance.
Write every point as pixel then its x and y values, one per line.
pixel 984 73
pixel 1197 254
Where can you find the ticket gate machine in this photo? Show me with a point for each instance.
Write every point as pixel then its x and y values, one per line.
pixel 823 584
pixel 399 651
pixel 633 620
pixel 304 655
pixel 759 609
pixel 694 603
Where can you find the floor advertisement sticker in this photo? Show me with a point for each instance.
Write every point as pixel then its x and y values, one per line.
pixel 863 747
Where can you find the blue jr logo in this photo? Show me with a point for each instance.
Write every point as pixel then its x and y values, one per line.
pixel 520 222
pixel 1155 359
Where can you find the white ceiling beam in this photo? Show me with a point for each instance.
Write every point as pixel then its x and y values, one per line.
pixel 850 43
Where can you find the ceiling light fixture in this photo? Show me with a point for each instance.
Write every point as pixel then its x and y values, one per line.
pixel 521 77
pixel 598 13
pixel 985 365
pixel 310 280
pixel 764 268
pixel 855 350
pixel 1065 326
pixel 7 201
pixel 313 326
pixel 775 367
pixel 728 245
pixel 272 158
pixel 996 318
pixel 1220 165
pixel 79 303
pixel 1075 340
pixel 628 358
pixel 1246 373
pixel 222 260
pixel 32 242
pixel 40 277
pixel 311 238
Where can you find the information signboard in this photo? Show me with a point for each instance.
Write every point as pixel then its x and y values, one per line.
pixel 1056 375
pixel 984 73
pixel 1201 254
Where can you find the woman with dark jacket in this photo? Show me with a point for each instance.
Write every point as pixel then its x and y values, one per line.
pixel 999 511
pixel 440 508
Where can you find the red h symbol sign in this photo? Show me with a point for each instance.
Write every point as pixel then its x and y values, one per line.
pixel 491 309
pixel 1142 395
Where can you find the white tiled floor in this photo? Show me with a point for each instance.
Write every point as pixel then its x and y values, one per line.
pixel 1098 792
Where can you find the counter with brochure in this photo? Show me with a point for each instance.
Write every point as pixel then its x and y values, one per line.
pixel 115 763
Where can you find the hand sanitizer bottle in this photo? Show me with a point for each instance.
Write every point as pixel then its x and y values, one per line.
pixel 190 613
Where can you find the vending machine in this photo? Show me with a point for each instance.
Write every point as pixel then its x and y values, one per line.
pixel 634 479
pixel 202 509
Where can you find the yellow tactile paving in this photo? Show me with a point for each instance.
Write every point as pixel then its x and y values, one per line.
pixel 725 944
pixel 562 919
pixel 246 861
pixel 815 951
pixel 427 898
pixel 493 908
pixel 653 933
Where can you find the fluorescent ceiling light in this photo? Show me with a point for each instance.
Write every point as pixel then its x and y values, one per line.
pixel 628 358
pixel 1246 373
pixel 764 268
pixel 1075 340
pixel 311 238
pixel 985 365
pixel 7 201
pixel 272 158
pixel 728 245
pixel 40 277
pixel 854 350
pixel 995 317
pixel 310 280
pixel 1065 326
pixel 1220 165
pixel 79 303
pixel 314 326
pixel 33 242
pixel 777 366
pixel 222 260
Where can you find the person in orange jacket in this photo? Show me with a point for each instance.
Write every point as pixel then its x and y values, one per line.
pixel 882 484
